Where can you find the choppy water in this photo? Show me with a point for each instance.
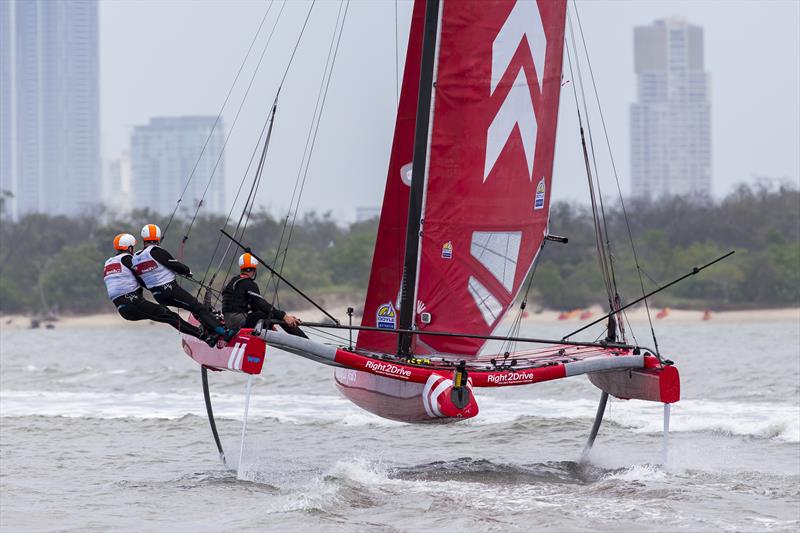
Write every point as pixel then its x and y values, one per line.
pixel 104 429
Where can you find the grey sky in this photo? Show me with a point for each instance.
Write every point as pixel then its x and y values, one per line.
pixel 179 58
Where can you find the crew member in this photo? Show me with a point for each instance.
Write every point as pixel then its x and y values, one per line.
pixel 243 305
pixel 157 268
pixel 125 291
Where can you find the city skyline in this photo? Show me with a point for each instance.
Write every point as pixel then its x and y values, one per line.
pixel 755 123
pixel 180 71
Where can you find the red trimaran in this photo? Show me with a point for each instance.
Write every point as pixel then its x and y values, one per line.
pixel 465 215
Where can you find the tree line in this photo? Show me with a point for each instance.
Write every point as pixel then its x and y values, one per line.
pixel 53 264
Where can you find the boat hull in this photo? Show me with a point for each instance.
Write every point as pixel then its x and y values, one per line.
pixel 243 353
pixel 655 384
pixel 404 401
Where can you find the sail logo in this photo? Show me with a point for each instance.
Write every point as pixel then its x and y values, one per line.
pixel 516 110
pixel 386 317
pixel 538 202
pixel 447 250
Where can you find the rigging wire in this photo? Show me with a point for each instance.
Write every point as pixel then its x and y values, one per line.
pixel 267 127
pixel 509 346
pixel 233 125
pixel 310 143
pixel 598 231
pixel 249 201
pixel 314 119
pixel 594 162
pixel 216 121
pixel 233 205
pixel 247 211
pixel 616 178
pixel 396 59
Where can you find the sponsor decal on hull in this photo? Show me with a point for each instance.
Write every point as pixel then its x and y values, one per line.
pixel 388 369
pixel 511 377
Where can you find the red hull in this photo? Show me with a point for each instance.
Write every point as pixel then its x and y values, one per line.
pixel 658 384
pixel 404 401
pixel 243 353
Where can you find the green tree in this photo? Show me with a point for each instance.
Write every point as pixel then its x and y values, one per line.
pixel 73 280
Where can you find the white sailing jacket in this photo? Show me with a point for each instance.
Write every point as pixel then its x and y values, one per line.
pixel 151 271
pixel 118 278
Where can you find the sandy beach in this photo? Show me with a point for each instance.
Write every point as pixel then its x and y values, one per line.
pixel 112 320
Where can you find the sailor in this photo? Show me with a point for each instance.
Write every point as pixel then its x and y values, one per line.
pixel 243 305
pixel 157 268
pixel 125 291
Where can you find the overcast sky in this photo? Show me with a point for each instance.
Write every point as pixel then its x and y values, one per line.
pixel 171 58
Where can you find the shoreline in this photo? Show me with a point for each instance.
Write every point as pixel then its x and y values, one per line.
pixel 12 322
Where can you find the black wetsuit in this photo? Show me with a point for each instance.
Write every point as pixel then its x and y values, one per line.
pixel 243 306
pixel 133 306
pixel 173 294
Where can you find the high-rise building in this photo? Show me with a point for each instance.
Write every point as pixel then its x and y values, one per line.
pixel 117 184
pixel 49 116
pixel 671 121
pixel 167 155
pixel 7 204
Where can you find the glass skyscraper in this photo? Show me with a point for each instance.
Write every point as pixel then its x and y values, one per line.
pixel 163 156
pixel 671 120
pixel 49 115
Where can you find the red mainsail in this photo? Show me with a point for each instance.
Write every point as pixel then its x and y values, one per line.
pixel 381 306
pixel 489 165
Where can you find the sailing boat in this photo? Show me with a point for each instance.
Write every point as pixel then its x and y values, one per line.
pixel 465 216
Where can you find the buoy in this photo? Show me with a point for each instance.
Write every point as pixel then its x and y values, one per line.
pixel 663 313
pixel 707 315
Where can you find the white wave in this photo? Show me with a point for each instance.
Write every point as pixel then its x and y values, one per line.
pixel 644 472
pixel 778 421
pixel 288 408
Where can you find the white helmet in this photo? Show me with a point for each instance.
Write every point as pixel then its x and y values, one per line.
pixel 247 261
pixel 151 232
pixel 123 241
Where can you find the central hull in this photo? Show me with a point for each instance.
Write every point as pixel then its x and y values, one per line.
pixel 402 401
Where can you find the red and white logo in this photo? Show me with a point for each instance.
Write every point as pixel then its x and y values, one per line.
pixel 518 49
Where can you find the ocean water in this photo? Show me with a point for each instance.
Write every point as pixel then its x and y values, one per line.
pixel 104 429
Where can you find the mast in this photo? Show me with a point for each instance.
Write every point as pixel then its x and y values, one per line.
pixel 418 176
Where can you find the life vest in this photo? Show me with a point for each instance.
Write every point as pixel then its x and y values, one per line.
pixel 118 278
pixel 233 302
pixel 151 271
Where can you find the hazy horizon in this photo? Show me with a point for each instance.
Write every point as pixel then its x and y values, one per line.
pixel 155 63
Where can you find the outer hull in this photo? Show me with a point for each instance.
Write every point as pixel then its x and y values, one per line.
pixel 243 353
pixel 655 384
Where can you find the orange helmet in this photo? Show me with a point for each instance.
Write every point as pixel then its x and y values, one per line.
pixel 123 241
pixel 247 261
pixel 151 233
